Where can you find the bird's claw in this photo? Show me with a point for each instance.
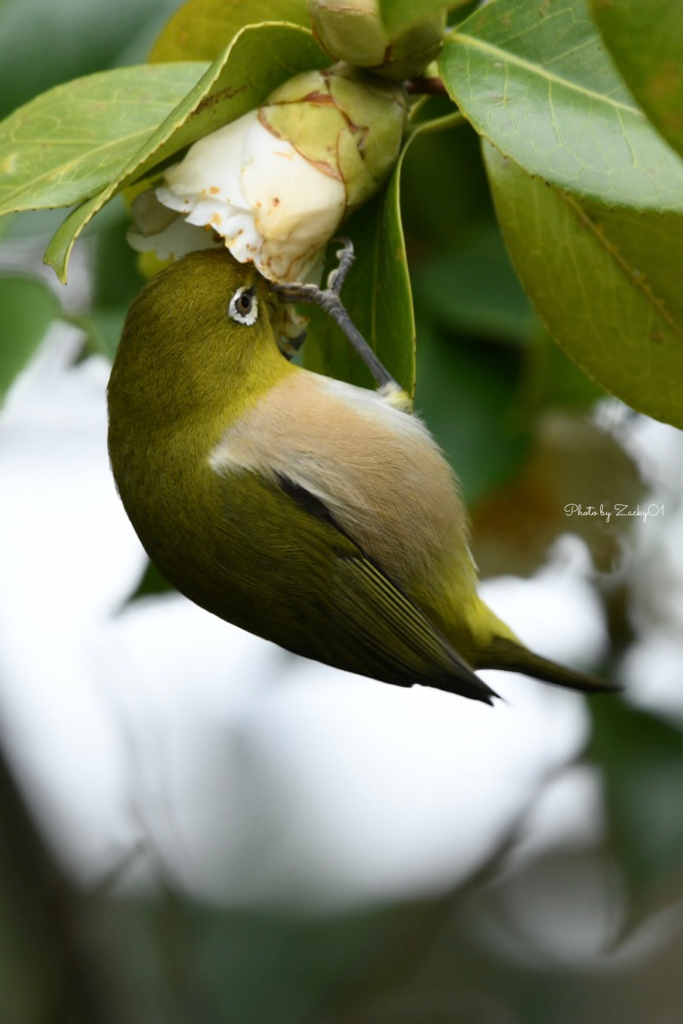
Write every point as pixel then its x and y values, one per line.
pixel 329 300
pixel 346 256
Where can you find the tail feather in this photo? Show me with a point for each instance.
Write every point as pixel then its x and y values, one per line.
pixel 514 657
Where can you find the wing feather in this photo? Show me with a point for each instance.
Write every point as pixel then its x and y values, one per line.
pixel 372 618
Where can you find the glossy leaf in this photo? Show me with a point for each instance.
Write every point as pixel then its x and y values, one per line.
pixel 605 282
pixel 201 29
pixel 555 380
pixel 468 393
pixel 73 140
pixel 535 80
pixel 641 757
pixel 43 43
pixel 258 60
pixel 472 288
pixel 400 14
pixel 377 295
pixel 646 41
pixel 28 309
pixel 448 165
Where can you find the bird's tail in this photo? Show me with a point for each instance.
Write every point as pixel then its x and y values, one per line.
pixel 514 657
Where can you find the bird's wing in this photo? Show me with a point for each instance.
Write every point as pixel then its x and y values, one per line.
pixel 373 627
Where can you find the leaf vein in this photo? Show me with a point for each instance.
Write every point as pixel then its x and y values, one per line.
pixel 635 278
pixel 58 173
pixel 536 69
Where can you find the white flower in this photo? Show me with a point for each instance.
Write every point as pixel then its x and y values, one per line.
pixel 269 203
pixel 276 183
pixel 158 229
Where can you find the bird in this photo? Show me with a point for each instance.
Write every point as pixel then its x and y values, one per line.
pixel 319 515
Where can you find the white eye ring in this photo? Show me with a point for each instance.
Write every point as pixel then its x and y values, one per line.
pixel 243 307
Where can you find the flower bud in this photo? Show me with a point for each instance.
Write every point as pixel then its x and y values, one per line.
pixel 343 121
pixel 353 31
pixel 276 183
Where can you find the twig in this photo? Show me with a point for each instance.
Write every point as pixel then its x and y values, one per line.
pixel 425 87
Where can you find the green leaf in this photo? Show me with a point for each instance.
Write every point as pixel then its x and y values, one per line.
pixel 641 757
pixel 116 279
pixel 377 295
pixel 43 43
pixel 535 80
pixel 151 584
pixel 448 165
pixel 605 282
pixel 555 380
pixel 259 59
pixel 377 292
pixel 200 29
pixel 473 289
pixel 73 140
pixel 400 14
pixel 28 309
pixel 646 41
pixel 470 390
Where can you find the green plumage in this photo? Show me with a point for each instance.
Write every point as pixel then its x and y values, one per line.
pixel 260 542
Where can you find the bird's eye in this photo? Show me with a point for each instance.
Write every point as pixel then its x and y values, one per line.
pixel 244 307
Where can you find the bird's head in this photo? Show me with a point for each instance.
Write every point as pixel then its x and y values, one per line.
pixel 198 339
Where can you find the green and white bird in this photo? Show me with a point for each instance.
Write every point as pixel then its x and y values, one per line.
pixel 316 514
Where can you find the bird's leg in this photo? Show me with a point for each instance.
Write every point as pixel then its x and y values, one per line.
pixel 329 300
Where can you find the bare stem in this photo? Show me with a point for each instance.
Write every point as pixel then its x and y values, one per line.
pixel 425 87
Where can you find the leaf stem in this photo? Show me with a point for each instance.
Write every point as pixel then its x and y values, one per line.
pixel 425 87
pixel 437 124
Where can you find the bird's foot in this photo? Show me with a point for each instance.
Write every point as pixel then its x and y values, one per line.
pixel 329 299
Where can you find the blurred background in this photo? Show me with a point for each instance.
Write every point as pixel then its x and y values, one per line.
pixel 196 825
